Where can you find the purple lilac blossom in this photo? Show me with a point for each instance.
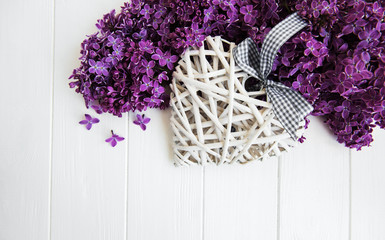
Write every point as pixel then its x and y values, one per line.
pixel 114 139
pixel 340 57
pixel 89 121
pixel 141 121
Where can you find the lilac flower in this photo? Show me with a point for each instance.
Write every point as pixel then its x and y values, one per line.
pixel 98 67
pixel 163 77
pixel 112 59
pixel 165 58
pixel 170 18
pixel 160 11
pixel 147 83
pixel 361 69
pixel 197 42
pixel 152 101
pixel 164 32
pixel 208 14
pixel 147 11
pixel 351 74
pixel 342 83
pixel 147 67
pixel 102 68
pixel 196 29
pixel 135 58
pixel 116 55
pixel 344 109
pixel 327 7
pixel 190 38
pixel 141 120
pixel 141 35
pixel 157 89
pixel 118 52
pixel 311 94
pixel 158 56
pixel 230 4
pixel 301 84
pixel 377 9
pixel 112 42
pixel 354 27
pixel 364 54
pixel 327 107
pixel 89 121
pixel 169 60
pixel 222 3
pixel 156 23
pixel 114 139
pixel 309 65
pixel 249 13
pixel 313 47
pixel 93 66
pixel 146 46
pixel 369 38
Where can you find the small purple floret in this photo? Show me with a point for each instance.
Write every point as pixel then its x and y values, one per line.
pixel 89 121
pixel 141 120
pixel 114 139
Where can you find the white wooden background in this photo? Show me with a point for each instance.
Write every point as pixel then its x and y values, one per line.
pixel 61 182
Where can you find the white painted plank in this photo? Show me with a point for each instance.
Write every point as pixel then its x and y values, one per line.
pixel 88 176
pixel 241 201
pixel 368 190
pixel 164 202
pixel 314 188
pixel 25 125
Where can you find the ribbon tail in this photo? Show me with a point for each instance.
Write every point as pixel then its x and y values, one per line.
pixel 301 105
pixel 288 105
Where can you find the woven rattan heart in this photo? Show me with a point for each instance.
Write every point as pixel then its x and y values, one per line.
pixel 214 118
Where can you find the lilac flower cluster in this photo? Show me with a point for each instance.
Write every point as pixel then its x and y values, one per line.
pixel 337 63
pixel 126 65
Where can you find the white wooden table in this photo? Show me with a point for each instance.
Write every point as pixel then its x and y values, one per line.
pixel 61 182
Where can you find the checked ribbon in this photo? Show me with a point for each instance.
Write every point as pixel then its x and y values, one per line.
pixel 288 105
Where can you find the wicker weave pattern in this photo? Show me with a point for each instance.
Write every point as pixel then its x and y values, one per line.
pixel 214 118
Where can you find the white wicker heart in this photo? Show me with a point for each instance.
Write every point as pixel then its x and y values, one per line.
pixel 214 118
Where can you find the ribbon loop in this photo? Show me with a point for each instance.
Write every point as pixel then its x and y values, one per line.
pixel 288 105
pixel 247 57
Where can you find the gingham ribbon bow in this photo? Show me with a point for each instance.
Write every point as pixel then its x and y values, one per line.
pixel 288 105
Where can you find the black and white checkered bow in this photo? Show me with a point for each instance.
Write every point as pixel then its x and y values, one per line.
pixel 288 105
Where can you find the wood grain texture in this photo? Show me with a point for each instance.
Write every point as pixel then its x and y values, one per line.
pixel 314 188
pixel 25 125
pixel 241 201
pixel 133 191
pixel 164 202
pixel 368 190
pixel 88 175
